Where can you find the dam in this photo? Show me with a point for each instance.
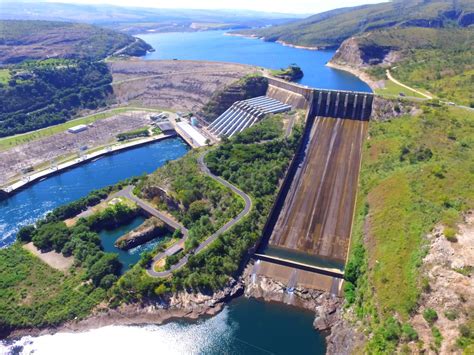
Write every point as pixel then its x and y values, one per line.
pixel 307 236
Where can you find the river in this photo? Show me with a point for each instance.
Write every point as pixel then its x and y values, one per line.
pixel 245 326
pixel 36 200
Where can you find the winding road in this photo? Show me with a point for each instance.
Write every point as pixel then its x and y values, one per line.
pixel 425 96
pixel 391 78
pixel 178 246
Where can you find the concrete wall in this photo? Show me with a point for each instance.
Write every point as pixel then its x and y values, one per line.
pixel 325 103
pixel 342 104
pixel 292 94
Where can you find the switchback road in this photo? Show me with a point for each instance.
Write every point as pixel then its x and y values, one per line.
pixel 178 246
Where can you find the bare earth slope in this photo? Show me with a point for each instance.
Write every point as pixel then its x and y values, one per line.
pixel 173 84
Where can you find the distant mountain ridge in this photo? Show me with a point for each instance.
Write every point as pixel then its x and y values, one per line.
pixel 138 20
pixel 23 40
pixel 329 29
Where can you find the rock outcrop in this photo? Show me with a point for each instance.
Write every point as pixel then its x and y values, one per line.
pixel 344 337
pixel 448 287
pixel 246 88
pixel 385 109
pixel 148 230
pixel 352 53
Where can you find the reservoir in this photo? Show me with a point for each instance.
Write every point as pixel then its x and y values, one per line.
pixel 217 46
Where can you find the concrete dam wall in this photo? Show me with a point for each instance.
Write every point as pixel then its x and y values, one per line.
pixel 342 104
pixel 310 226
pixel 316 216
pixel 324 103
pixel 297 96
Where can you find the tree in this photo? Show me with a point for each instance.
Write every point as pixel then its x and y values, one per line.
pixel 25 233
pixel 51 236
pixel 108 264
pixel 198 209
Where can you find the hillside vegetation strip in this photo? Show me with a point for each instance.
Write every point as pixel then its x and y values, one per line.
pixel 329 29
pixel 35 40
pixel 410 180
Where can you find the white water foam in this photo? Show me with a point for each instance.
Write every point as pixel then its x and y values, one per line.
pixel 207 336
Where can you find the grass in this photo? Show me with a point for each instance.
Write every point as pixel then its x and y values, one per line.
pixel 34 294
pixel 393 90
pixel 4 76
pixel 404 193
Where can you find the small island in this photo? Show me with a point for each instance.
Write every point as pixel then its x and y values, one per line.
pixel 292 73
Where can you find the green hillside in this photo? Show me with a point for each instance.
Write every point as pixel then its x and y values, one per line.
pixel 330 29
pixel 23 40
pixel 440 61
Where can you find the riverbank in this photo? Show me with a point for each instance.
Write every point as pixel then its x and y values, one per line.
pixel 30 179
pixel 187 306
pixel 374 85
pixel 179 306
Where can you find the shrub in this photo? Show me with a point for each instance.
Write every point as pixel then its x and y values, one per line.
pixel 451 314
pixel 408 333
pixel 198 209
pixel 392 329
pixel 146 259
pixel 430 315
pixel 425 285
pixel 161 290
pixel 450 234
pixel 438 338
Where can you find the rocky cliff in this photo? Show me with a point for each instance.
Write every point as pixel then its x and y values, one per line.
pixel 246 88
pixel 354 53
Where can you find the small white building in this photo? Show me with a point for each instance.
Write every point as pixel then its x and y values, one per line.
pixel 77 129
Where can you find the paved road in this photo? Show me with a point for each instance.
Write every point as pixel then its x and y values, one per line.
pixel 128 193
pixel 178 246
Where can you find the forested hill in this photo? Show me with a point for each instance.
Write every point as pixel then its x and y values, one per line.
pixel 37 94
pixel 23 40
pixel 330 29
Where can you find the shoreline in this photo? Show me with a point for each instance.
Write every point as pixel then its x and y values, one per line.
pixel 356 72
pixel 286 44
pixel 191 307
pixel 280 42
pixel 15 187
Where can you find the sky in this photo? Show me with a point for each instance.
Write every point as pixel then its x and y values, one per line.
pixel 284 6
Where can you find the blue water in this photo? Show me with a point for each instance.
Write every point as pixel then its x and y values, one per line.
pixel 130 257
pixel 29 205
pixel 244 327
pixel 216 46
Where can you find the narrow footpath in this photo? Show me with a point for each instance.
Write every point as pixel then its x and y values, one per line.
pixel 178 246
